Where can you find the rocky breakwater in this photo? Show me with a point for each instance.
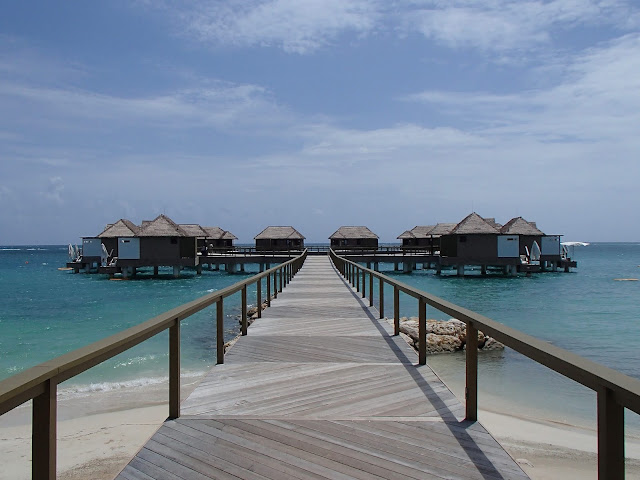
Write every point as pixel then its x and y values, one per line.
pixel 444 336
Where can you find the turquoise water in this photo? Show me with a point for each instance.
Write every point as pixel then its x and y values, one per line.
pixel 45 312
pixel 586 311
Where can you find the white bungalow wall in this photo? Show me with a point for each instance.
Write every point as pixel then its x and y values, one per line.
pixel 91 247
pixel 129 248
pixel 508 246
pixel 550 245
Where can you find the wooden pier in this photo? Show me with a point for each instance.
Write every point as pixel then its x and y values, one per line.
pixel 321 388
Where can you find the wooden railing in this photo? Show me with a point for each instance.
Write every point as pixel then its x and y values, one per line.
pixel 40 382
pixel 615 391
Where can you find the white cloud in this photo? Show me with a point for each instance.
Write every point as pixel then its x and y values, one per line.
pixel 597 100
pixel 54 190
pixel 505 25
pixel 298 26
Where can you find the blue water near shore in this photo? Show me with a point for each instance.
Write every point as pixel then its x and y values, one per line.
pixel 45 312
pixel 586 311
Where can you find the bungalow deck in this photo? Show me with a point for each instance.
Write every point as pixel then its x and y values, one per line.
pixel 320 388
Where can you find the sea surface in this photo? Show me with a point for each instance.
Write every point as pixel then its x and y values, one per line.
pixel 45 312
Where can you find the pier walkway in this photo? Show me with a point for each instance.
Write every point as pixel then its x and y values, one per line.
pixel 320 388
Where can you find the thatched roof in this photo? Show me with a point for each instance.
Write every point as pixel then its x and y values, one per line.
pixel 442 229
pixel 353 233
pixel 122 228
pixel 519 226
pixel 193 230
pixel 219 234
pixel 277 233
pixel 492 221
pixel 419 231
pixel 162 226
pixel 474 224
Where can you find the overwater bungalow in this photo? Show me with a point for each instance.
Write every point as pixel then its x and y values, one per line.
pixel 279 238
pixel 418 237
pixel 474 241
pixel 354 237
pixel 124 229
pixel 527 232
pixel 218 239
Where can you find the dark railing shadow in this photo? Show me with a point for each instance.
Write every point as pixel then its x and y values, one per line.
pixel 456 427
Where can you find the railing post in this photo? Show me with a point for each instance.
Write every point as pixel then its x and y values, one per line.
pixel 220 331
pixel 243 326
pixel 280 279
pixel 44 434
pixel 396 310
pixel 275 284
pixel 259 297
pixel 357 272
pixel 422 331
pixel 174 370
pixel 268 289
pixel 610 436
pixel 364 283
pixel 370 289
pixel 471 390
pixel 381 298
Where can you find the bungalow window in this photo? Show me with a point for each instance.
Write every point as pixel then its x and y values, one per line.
pixel 463 238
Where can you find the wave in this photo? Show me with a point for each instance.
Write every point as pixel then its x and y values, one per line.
pixel 137 383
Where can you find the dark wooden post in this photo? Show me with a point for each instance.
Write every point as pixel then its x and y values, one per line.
pixel 259 297
pixel 396 310
pixel 357 272
pixel 268 289
pixel 370 289
pixel 281 278
pixel 471 390
pixel 610 436
pixel 243 326
pixel 381 300
pixel 364 283
pixel 422 331
pixel 44 433
pixel 220 330
pixel 174 370
pixel 275 284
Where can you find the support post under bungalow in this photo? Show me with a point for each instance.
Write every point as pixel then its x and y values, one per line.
pixel 220 331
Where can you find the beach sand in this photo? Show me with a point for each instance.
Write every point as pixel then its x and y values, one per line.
pixel 98 445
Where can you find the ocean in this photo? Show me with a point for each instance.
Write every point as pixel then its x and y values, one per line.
pixel 45 312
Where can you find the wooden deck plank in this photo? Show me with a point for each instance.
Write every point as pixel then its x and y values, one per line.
pixel 320 388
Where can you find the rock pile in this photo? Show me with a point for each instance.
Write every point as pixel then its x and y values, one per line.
pixel 444 336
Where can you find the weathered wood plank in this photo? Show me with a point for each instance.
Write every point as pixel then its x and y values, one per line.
pixel 320 388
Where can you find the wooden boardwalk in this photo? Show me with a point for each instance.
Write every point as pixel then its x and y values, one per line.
pixel 320 388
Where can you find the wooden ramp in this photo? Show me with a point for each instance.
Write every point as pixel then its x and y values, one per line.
pixel 320 388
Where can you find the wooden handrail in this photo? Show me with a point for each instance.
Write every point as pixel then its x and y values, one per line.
pixel 40 382
pixel 615 390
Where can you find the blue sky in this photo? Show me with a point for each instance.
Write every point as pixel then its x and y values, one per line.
pixel 319 113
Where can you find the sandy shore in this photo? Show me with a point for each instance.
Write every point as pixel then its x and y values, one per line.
pixel 100 444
